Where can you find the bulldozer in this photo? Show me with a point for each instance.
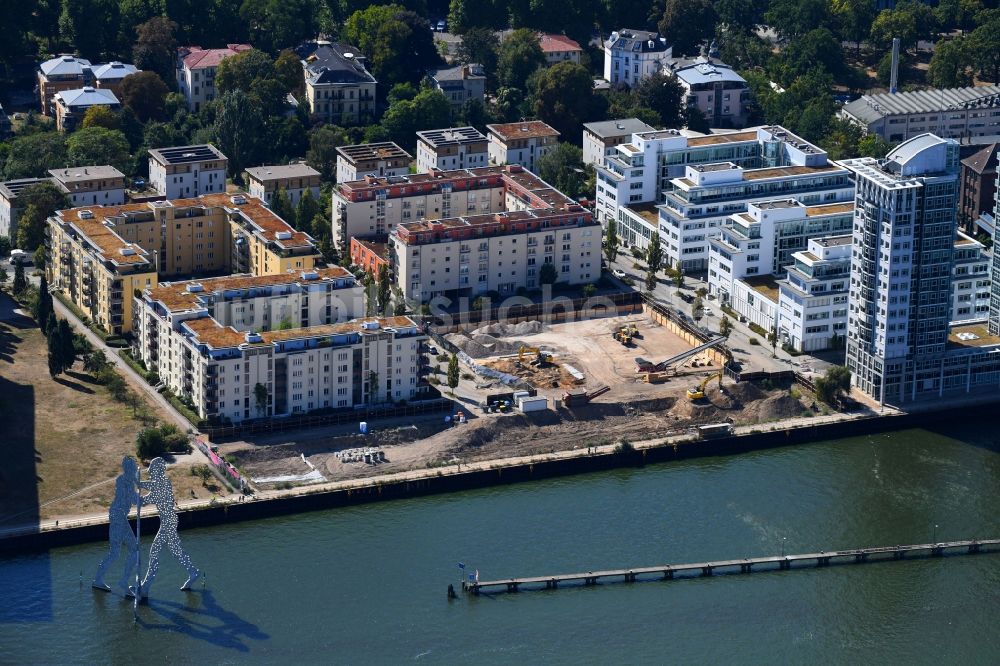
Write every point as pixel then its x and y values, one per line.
pixel 698 392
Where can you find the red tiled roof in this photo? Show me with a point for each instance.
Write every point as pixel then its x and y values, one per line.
pixel 199 58
pixel 557 43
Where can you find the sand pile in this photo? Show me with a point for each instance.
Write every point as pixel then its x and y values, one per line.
pixel 495 339
pixel 511 330
pixel 776 407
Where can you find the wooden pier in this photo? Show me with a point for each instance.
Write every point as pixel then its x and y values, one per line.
pixel 745 565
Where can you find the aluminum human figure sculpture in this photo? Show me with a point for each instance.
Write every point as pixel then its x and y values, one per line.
pixel 161 493
pixel 120 533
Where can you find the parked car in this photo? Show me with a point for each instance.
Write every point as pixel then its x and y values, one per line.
pixel 618 273
pixel 139 184
pixel 442 26
pixel 687 298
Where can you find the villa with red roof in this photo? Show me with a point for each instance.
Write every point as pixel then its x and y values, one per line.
pixel 559 48
pixel 196 71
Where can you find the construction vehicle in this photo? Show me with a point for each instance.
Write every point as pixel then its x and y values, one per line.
pixel 581 397
pixel 698 392
pixel 644 366
pixel 541 358
pixel 623 336
pixel 632 330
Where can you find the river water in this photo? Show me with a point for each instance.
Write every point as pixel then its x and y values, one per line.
pixel 368 584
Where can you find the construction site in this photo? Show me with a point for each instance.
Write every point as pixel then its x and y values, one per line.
pixel 532 387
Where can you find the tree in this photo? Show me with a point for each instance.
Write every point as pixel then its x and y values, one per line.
pixel 564 97
pixel 275 24
pixel 816 49
pixel 322 153
pixel 150 443
pixel 54 362
pixel 688 23
pixel 519 56
pixel 772 337
pixel 238 126
pixel 4 276
pixel 697 309
pixel 430 108
pixel 238 72
pixel 663 94
pixel 288 71
pixel 84 24
pixel 305 211
pixel 562 167
pixel 725 326
pixel 101 116
pixel 792 18
pixel 835 382
pixel 372 386
pixel 281 206
pixel 383 289
pixel 20 283
pixel 453 372
pixel 384 33
pixel 679 276
pixel 742 15
pixel 611 241
pixel 97 145
pixel 481 46
pixel 155 47
pixel 261 398
pixel 95 361
pixel 67 352
pixel 43 304
pixel 32 155
pixel 872 145
pixel 986 45
pixel 695 120
pixel 547 274
pixel 854 19
pixel 146 94
pixel 654 260
pixel 950 64
pixel 892 23
pixel 39 201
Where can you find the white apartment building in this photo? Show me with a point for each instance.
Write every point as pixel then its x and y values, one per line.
pixel 970 287
pixel 904 240
pixel 715 89
pixel 521 143
pixel 9 208
pixel 954 113
pixel 384 158
pixel 339 89
pixel 502 252
pixel 184 172
pixel 460 84
pixel 233 375
pixel 195 72
pixel 762 241
pixel 696 183
pixel 812 299
pixel 632 55
pixel 450 149
pixel 294 179
pixel 601 138
pixel 91 185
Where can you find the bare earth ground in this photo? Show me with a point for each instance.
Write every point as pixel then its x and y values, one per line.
pixel 631 410
pixel 60 436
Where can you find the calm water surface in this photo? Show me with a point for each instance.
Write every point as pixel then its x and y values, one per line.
pixel 367 585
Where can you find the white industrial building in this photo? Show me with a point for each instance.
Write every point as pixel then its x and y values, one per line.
pixel 184 172
pixel 953 113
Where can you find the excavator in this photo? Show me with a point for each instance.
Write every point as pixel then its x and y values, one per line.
pixel 698 392
pixel 541 358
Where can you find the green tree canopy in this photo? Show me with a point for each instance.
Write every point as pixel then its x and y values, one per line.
pixel 278 24
pixel 92 146
pixel 562 167
pixel 101 116
pixel 32 155
pixel 519 56
pixel 156 47
pixel 985 42
pixel 482 46
pixel 792 18
pixel 323 143
pixel 663 94
pixel 305 211
pixel 238 129
pixel 384 33
pixel 238 72
pixel 564 97
pixel 38 202
pixel 430 108
pixel 688 23
pixel 146 94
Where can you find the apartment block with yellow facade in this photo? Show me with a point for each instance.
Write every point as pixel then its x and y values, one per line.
pixel 208 235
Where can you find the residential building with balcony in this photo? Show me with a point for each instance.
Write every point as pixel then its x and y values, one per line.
pixel 339 89
pixel 71 105
pixel 452 148
pixel 318 367
pixel 294 179
pixel 715 89
pixel 136 243
pixel 369 255
pixel 970 281
pixel 601 138
pixel 953 113
pixel 196 68
pixel 460 84
pixel 187 171
pixel 632 55
pixel 521 143
pixel 694 189
pixel 502 252
pixel 383 158
pixel 91 185
pixel 764 239
pixel 559 48
pixel 812 299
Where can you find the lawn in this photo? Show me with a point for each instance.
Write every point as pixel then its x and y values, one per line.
pixel 59 436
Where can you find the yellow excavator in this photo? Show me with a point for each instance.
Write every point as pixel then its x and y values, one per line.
pixel 698 392
pixel 541 358
pixel 526 350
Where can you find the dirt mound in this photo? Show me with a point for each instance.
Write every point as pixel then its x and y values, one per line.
pixel 483 345
pixel 510 330
pixel 745 392
pixel 776 407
